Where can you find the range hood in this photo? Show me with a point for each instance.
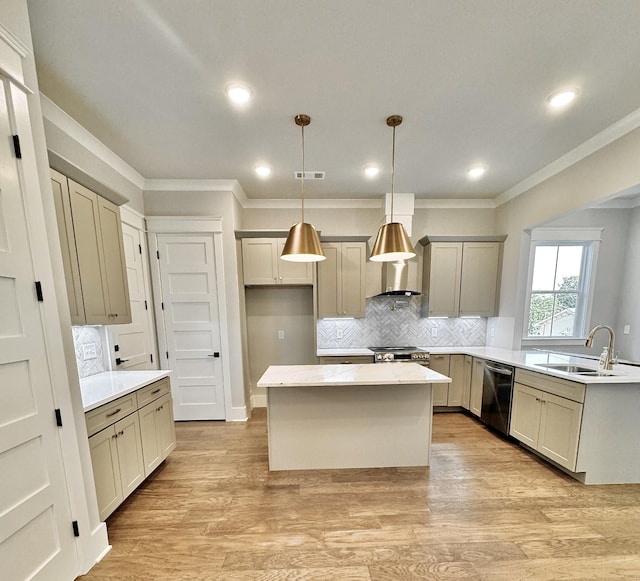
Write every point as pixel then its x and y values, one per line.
pixel 394 279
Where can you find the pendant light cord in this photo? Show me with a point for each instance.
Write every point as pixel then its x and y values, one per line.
pixel 393 167
pixel 302 183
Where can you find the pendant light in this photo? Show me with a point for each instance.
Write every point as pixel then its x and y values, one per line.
pixel 392 242
pixel 303 244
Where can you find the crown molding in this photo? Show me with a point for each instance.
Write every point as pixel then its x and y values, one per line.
pixel 454 203
pixel 315 203
pixel 598 141
pixel 13 41
pixel 52 113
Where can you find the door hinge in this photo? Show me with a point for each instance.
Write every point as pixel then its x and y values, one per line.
pixel 158 254
pixel 76 528
pixel 167 355
pixel 116 348
pixel 58 417
pixel 140 248
pixel 146 308
pixel 151 355
pixel 162 305
pixel 39 294
pixel 16 146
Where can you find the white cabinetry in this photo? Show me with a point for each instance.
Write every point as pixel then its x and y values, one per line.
pixel 440 363
pixel 93 254
pixel 341 280
pixel 544 421
pixel 261 264
pixel 466 382
pixel 477 377
pixel 457 374
pixel 461 278
pixel 128 439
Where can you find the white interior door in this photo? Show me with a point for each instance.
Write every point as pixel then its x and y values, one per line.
pixel 188 284
pixel 36 538
pixel 135 340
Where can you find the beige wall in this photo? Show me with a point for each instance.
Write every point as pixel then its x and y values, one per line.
pixel 629 312
pixel 603 174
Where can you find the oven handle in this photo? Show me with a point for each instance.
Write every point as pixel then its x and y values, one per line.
pixel 499 370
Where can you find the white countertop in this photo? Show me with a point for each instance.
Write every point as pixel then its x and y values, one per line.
pixel 104 387
pixel 344 352
pixel 526 360
pixel 354 374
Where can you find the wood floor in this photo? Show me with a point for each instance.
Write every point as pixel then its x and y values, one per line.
pixel 485 509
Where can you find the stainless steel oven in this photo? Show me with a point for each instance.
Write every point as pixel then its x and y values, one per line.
pixel 497 393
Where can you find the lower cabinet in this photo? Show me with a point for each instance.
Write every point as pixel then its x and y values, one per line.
pixel 458 381
pixel 440 363
pixel 338 359
pixel 547 423
pixel 125 452
pixel 475 395
pixel 158 432
pixel 118 468
pixel 466 382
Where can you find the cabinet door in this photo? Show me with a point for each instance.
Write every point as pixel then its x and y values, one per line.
pixel 114 262
pixel 477 376
pixel 106 472
pixel 560 421
pixel 130 460
pixel 443 271
pixel 62 204
pixel 330 282
pixel 354 259
pixel 479 278
pixel 166 426
pixel 466 382
pixel 525 414
pixel 440 363
pixel 259 261
pixel 456 371
pixel 151 452
pixel 86 224
pixel 292 272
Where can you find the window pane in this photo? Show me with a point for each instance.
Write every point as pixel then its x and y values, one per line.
pixel 544 268
pixel 563 319
pixel 569 266
pixel 540 315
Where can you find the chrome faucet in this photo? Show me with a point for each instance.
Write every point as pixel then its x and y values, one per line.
pixel 608 364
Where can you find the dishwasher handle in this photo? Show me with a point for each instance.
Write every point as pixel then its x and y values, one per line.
pixel 500 370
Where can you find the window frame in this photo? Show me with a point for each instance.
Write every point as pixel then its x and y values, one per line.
pixel 589 239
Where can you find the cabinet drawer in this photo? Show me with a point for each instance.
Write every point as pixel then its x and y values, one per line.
pixel 336 359
pixel 108 414
pixel 562 387
pixel 154 391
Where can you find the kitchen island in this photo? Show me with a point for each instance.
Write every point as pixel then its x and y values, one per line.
pixel 349 416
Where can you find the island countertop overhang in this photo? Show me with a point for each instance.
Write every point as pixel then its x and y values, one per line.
pixel 353 374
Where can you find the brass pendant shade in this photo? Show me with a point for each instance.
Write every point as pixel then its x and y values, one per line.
pixel 303 243
pixel 392 242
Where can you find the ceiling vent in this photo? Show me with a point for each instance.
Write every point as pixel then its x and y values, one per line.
pixel 310 175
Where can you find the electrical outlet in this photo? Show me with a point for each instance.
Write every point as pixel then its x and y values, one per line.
pixel 434 332
pixel 492 333
pixel 339 334
pixel 626 330
pixel 280 334
pixel 89 351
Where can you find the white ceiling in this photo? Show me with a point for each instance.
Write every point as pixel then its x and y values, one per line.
pixel 470 78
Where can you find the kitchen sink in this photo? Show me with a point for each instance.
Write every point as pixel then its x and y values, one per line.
pixel 572 368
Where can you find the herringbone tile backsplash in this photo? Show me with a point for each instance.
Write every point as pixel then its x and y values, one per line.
pixel 396 321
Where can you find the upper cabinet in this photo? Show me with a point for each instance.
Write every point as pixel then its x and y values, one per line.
pixel 461 277
pixel 261 264
pixel 93 254
pixel 341 280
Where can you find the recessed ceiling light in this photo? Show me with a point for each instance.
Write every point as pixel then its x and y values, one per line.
pixel 475 172
pixel 371 170
pixel 562 98
pixel 262 170
pixel 239 93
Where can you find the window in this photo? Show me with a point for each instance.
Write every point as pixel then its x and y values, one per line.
pixel 562 268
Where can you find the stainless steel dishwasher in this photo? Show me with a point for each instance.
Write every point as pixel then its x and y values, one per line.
pixel 497 392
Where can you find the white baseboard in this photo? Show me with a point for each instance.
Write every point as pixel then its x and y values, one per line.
pixel 238 414
pixel 93 548
pixel 258 401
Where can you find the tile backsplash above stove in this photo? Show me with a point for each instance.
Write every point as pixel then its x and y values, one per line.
pixel 395 320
